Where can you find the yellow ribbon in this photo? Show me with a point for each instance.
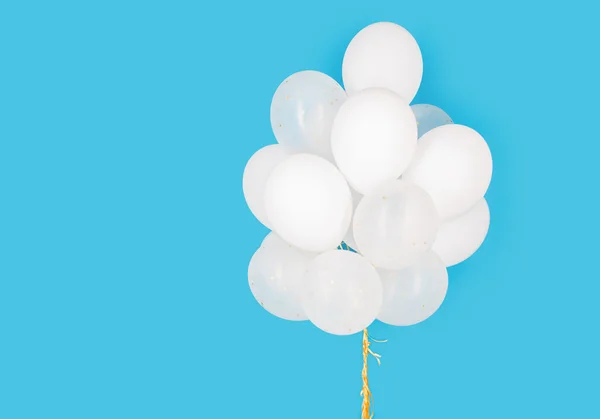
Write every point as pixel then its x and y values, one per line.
pixel 366 392
pixel 366 342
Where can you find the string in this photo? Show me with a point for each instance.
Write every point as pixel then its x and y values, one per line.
pixel 366 343
pixel 366 392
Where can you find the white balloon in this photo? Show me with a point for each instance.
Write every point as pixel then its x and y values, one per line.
pixel 453 164
pixel 395 225
pixel 275 275
pixel 342 292
pixel 302 111
pixel 255 177
pixel 374 138
pixel 460 237
pixel 383 55
pixel 429 117
pixel 308 202
pixel 415 293
pixel 349 237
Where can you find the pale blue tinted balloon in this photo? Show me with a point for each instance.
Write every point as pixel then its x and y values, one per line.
pixel 302 112
pixel 429 117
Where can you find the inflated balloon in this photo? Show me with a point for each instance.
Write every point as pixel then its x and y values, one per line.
pixel 255 177
pixel 302 111
pixel 383 55
pixel 460 237
pixel 395 225
pixel 429 117
pixel 374 138
pixel 342 292
pixel 275 275
pixel 413 294
pixel 453 164
pixel 308 202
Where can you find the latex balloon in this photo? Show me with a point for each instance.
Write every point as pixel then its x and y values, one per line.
pixel 429 117
pixel 460 237
pixel 383 55
pixel 275 275
pixel 454 165
pixel 255 177
pixel 349 237
pixel 374 138
pixel 413 294
pixel 308 202
pixel 302 111
pixel 395 225
pixel 342 292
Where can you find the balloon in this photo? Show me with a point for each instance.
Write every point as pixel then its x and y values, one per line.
pixel 454 165
pixel 256 173
pixel 275 276
pixel 308 202
pixel 302 112
pixel 374 138
pixel 415 293
pixel 460 237
pixel 429 117
pixel 342 292
pixel 349 237
pixel 395 225
pixel 383 55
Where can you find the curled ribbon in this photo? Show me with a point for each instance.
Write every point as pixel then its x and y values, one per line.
pixel 366 392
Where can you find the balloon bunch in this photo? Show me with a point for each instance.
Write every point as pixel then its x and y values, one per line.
pixel 369 199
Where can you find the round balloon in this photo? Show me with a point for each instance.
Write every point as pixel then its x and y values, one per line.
pixel 308 202
pixel 460 237
pixel 413 294
pixel 275 276
pixel 255 177
pixel 395 225
pixel 429 117
pixel 453 164
pixel 342 292
pixel 302 111
pixel 374 138
pixel 383 55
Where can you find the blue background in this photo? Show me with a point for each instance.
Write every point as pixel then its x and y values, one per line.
pixel 124 130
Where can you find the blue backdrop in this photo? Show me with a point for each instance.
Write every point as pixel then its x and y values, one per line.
pixel 124 130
